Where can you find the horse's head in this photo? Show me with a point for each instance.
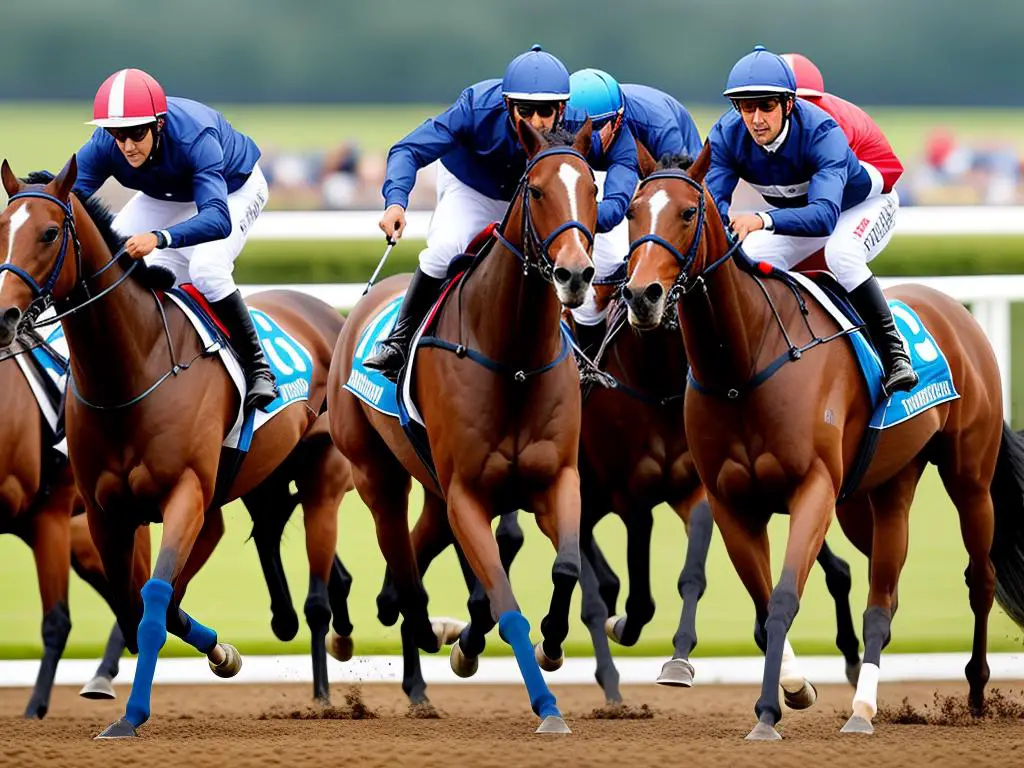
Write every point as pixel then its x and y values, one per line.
pixel 559 210
pixel 666 222
pixel 37 234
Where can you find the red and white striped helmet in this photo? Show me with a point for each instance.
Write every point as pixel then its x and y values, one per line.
pixel 809 81
pixel 128 97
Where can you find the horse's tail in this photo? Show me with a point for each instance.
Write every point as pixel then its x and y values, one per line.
pixel 1008 545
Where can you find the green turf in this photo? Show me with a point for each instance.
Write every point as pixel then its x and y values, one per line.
pixel 229 593
pixel 44 134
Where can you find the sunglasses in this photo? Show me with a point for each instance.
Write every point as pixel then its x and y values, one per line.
pixel 750 106
pixel 134 132
pixel 543 111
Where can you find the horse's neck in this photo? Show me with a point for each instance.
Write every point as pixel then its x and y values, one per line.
pixel 510 317
pixel 653 361
pixel 725 328
pixel 112 338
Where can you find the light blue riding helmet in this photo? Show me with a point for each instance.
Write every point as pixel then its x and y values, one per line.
pixel 758 74
pixel 596 93
pixel 536 76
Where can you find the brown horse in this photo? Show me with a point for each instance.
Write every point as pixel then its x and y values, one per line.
pixel 634 456
pixel 148 418
pixel 504 431
pixel 764 443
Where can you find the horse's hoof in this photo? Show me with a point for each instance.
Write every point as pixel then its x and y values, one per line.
pixel 35 711
pixel 232 662
pixel 553 724
pixel 677 673
pixel 339 647
pixel 98 688
pixel 285 625
pixel 122 729
pixel 853 673
pixel 462 665
pixel 548 665
pixel 447 630
pixel 802 699
pixel 610 625
pixel 763 732
pixel 858 724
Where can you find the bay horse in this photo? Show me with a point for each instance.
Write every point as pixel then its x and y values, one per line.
pixel 774 418
pixel 148 416
pixel 634 456
pixel 504 432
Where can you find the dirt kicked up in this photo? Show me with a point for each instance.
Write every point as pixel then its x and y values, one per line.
pixel 242 725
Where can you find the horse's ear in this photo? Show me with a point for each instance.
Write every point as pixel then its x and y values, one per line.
pixel 700 166
pixel 645 160
pixel 66 179
pixel 584 138
pixel 530 138
pixel 11 184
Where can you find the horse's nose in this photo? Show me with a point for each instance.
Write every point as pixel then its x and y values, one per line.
pixel 572 285
pixel 9 325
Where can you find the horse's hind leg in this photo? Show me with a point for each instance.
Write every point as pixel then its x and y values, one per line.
pixel 839 583
pixel 594 614
pixel 890 507
pixel 625 630
pixel 51 547
pixel 678 671
pixel 270 505
pixel 338 589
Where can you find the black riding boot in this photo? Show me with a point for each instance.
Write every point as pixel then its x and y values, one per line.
pixel 420 297
pixel 590 337
pixel 871 305
pixel 261 389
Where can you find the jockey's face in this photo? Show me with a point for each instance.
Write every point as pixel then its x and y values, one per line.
pixel 135 142
pixel 542 116
pixel 609 131
pixel 764 117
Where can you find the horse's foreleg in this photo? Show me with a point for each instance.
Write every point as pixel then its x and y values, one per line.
pixel 625 629
pixel 51 548
pixel 890 505
pixel 607 580
pixel 678 671
pixel 270 506
pixel 558 515
pixel 839 583
pixel 471 523
pixel 594 614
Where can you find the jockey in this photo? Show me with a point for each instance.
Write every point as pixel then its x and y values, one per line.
pixel 481 164
pixel 200 189
pixel 661 125
pixel 799 159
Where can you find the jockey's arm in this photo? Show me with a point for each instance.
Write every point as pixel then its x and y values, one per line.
pixel 620 183
pixel 213 219
pixel 818 218
pixel 433 139
pixel 93 161
pixel 722 176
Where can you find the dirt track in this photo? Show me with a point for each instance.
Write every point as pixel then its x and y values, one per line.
pixel 228 725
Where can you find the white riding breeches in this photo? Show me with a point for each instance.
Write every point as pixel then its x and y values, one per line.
pixel 207 265
pixel 610 251
pixel 861 233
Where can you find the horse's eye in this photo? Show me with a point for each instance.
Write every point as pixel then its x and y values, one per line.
pixel 50 235
pixel 688 214
pixel 629 214
pixel 536 193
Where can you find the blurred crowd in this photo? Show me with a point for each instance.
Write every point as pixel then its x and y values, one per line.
pixel 949 171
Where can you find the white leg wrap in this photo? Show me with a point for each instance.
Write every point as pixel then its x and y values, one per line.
pixel 865 700
pixel 792 678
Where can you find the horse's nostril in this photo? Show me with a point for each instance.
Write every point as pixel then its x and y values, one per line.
pixel 588 275
pixel 653 292
pixel 12 316
pixel 626 293
pixel 562 275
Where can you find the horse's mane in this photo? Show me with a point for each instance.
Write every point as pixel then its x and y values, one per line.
pixel 681 162
pixel 559 137
pixel 103 218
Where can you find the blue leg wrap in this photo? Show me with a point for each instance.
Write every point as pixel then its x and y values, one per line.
pixel 200 637
pixel 515 630
pixel 156 596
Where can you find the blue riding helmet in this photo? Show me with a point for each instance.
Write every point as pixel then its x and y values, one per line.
pixel 536 76
pixel 758 74
pixel 596 93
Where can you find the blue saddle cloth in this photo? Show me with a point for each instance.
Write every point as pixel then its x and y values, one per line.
pixel 368 385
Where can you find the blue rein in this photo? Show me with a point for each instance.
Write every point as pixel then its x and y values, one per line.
pixel 67 235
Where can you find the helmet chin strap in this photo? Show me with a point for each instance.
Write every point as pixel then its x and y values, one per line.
pixel 158 134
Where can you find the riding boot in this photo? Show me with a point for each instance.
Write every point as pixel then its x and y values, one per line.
pixel 261 389
pixel 871 305
pixel 393 351
pixel 590 337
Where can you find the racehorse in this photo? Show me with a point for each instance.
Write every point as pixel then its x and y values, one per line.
pixel 149 413
pixel 499 398
pixel 634 456
pixel 774 419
